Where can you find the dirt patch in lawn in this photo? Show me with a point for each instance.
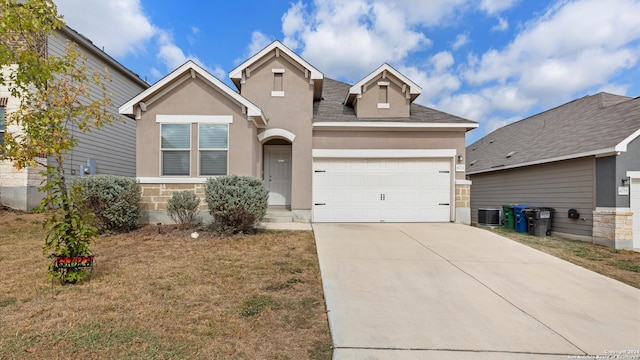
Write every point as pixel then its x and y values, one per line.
pixel 164 295
pixel 622 265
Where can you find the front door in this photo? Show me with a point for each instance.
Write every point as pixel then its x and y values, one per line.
pixel 277 173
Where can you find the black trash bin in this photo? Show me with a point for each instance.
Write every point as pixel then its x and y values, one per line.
pixel 539 220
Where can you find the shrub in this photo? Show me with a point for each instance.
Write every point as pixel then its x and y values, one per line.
pixel 115 200
pixel 236 203
pixel 183 207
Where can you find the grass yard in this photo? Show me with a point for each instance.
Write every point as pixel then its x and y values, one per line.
pixel 622 265
pixel 164 296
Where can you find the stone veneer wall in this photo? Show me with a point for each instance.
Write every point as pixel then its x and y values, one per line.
pixel 613 227
pixel 463 203
pixel 463 196
pixel 19 187
pixel 155 196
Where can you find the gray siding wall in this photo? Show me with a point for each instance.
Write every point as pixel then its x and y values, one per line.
pixel 610 171
pixel 606 185
pixel 561 185
pixel 626 161
pixel 114 146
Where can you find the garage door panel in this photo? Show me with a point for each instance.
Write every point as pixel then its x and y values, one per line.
pixel 377 190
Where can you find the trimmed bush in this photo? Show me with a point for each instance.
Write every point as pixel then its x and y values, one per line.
pixel 115 200
pixel 183 208
pixel 236 203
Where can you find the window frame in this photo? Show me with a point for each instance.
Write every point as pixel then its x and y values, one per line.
pixel 383 94
pixel 278 83
pixel 203 149
pixel 162 150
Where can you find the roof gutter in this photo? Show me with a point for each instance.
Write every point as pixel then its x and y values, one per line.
pixel 337 125
pixel 82 40
pixel 596 153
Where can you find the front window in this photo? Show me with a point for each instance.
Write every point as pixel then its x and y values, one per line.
pixel 176 149
pixel 213 145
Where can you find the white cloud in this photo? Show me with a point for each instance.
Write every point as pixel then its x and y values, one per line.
pixel 507 98
pixel 575 46
pixel 502 25
pixel 442 61
pixel 494 123
pixel 122 28
pixel 171 54
pixel 293 22
pixel 614 89
pixel 349 38
pixel 472 106
pixel 495 6
pixel 124 32
pixel 258 42
pixel 432 12
pixel 461 40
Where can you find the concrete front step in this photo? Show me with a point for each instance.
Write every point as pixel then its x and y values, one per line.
pixel 278 216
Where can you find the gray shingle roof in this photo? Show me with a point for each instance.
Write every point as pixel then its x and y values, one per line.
pixel 594 124
pixel 331 108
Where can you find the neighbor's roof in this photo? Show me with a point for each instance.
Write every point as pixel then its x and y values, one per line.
pixel 595 125
pixel 331 109
pixel 90 46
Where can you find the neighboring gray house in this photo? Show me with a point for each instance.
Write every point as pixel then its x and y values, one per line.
pixel 583 155
pixel 111 149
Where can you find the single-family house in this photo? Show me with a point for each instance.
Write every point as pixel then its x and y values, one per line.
pixel 109 150
pixel 581 159
pixel 327 150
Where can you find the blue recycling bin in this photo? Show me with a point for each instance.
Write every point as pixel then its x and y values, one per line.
pixel 520 218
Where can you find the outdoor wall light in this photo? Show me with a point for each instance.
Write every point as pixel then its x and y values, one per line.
pixel 625 181
pixel 460 158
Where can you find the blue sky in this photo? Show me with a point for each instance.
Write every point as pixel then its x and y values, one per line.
pixel 491 61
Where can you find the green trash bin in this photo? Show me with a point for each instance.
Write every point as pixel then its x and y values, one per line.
pixel 507 213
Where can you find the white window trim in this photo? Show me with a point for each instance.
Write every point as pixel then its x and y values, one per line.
pixel 162 151
pixel 212 149
pixel 194 119
pixel 277 93
pixel 278 71
pixel 384 106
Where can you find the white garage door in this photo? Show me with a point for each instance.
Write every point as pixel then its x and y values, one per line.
pixel 382 190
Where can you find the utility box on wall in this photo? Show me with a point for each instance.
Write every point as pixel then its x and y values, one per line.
pixel 88 169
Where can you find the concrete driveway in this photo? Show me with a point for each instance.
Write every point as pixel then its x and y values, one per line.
pixel 448 291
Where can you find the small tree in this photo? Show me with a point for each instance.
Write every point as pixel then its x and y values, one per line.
pixel 54 101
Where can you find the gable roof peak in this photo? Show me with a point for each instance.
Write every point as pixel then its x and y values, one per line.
pixel 412 89
pixel 188 70
pixel 277 49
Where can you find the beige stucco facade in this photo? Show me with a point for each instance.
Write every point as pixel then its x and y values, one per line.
pixel 372 103
pixel 293 111
pixel 276 103
pixel 195 97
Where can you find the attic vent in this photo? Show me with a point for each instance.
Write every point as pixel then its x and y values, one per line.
pixel 473 162
pixel 510 154
pixel 491 141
